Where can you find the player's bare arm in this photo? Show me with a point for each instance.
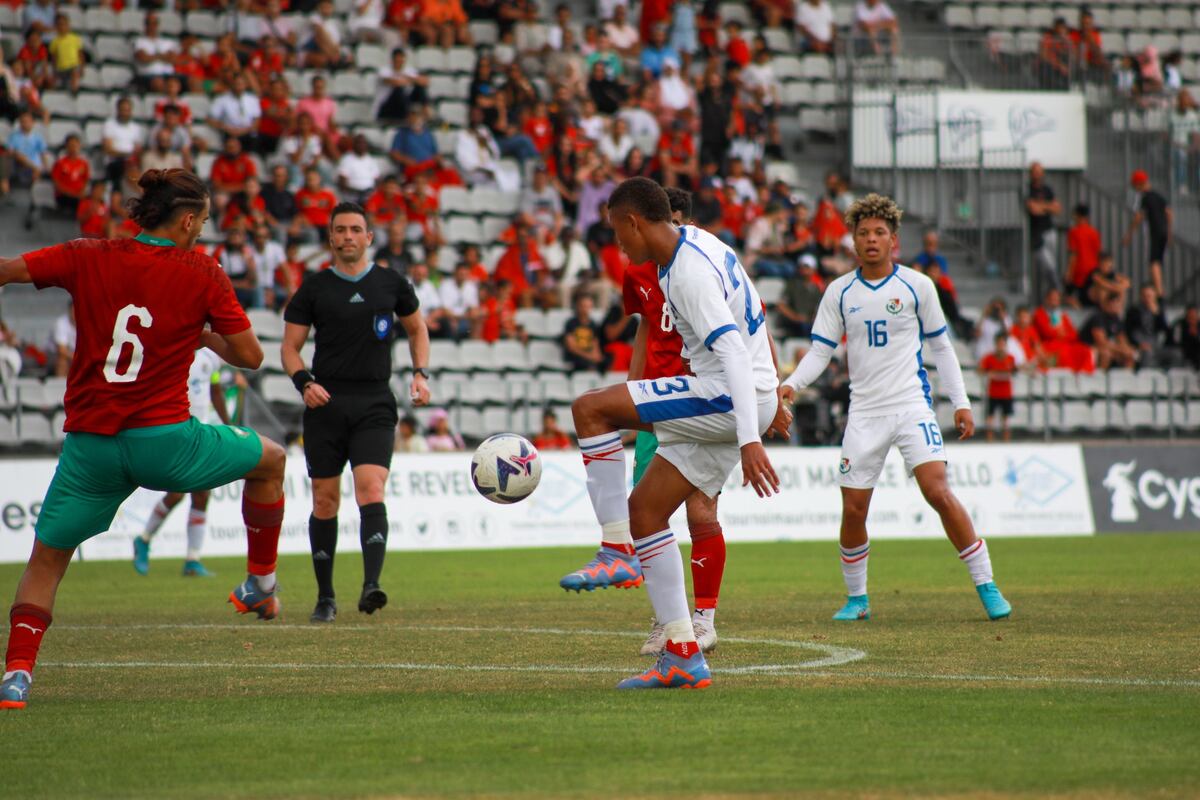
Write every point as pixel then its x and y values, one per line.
pixel 238 349
pixel 637 364
pixel 294 337
pixel 13 270
pixel 418 347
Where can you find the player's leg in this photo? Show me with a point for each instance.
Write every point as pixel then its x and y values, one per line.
pixel 972 551
pixel 1006 411
pixel 325 450
pixel 663 489
pixel 991 420
pixel 89 486
pixel 370 452
pixel 707 563
pixel 141 544
pixel 600 416
pixel 262 513
pixel 197 522
pixel 644 449
pixel 864 449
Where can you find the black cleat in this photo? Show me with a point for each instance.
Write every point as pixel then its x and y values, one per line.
pixel 373 598
pixel 326 610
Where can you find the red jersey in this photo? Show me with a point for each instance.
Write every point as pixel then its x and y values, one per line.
pixel 642 295
pixel 93 218
pixel 139 312
pixel 70 175
pixel 1084 241
pixel 999 388
pixel 384 207
pixel 541 132
pixel 232 171
pixel 316 206
pixel 267 124
pixel 185 111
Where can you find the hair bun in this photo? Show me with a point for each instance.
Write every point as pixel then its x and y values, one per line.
pixel 152 178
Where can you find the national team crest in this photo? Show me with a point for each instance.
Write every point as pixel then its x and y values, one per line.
pixel 383 325
pixel 844 466
pixel 894 306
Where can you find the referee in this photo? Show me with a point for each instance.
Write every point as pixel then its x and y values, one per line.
pixel 350 412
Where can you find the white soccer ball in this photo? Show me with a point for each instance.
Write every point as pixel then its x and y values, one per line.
pixel 506 468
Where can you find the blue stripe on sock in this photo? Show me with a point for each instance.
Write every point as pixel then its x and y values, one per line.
pixel 855 552
pixel 601 445
pixel 643 545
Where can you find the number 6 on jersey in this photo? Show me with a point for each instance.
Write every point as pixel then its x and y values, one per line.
pixel 121 337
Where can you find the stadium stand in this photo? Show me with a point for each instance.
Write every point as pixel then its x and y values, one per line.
pixel 721 111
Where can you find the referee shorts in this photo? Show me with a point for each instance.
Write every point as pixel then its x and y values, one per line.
pixel 355 427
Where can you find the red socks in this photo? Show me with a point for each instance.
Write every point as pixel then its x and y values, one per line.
pixel 623 547
pixel 708 563
pixel 26 623
pixel 262 534
pixel 683 649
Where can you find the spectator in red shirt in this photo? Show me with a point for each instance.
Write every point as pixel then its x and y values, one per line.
pixel 268 60
pixel 277 116
pixel 230 171
pixel 36 57
pixel 1024 331
pixel 1089 51
pixel 173 97
pixel 737 51
pixel 522 264
pixel 289 275
pixel 1059 337
pixel 733 215
pixel 998 367
pixel 538 128
pixel 315 203
pixel 477 270
pixel 551 437
pixel 223 63
pixel 94 215
pixel 70 174
pixel 677 157
pixel 653 12
pixel 188 66
pixel 1083 243
pixel 384 205
pixel 497 317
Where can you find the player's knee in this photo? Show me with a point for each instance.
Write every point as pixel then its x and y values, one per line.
pixel 274 460
pixel 583 409
pixel 939 496
pixel 645 520
pixel 855 511
pixel 366 495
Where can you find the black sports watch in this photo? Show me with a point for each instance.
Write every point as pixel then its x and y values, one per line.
pixel 424 373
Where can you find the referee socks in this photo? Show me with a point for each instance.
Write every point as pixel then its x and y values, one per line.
pixel 322 538
pixel 373 535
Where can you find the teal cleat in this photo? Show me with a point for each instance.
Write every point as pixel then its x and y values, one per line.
pixel 609 568
pixel 249 598
pixel 993 602
pixel 194 569
pixel 141 555
pixel 672 671
pixel 857 607
pixel 14 691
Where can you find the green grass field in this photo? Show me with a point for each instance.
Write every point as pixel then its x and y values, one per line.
pixel 150 687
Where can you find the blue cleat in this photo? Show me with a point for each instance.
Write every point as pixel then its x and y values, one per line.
pixel 15 690
pixel 993 602
pixel 194 569
pixel 609 568
pixel 673 671
pixel 857 607
pixel 249 597
pixel 141 555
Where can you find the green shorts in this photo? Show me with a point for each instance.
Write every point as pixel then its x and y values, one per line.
pixel 643 454
pixel 96 473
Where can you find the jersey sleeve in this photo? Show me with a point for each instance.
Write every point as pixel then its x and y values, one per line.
pixel 829 326
pixel 933 321
pixel 57 265
pixel 629 294
pixel 299 310
pixel 699 294
pixel 406 299
pixel 225 313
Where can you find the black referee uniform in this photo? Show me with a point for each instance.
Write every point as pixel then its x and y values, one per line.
pixel 354 321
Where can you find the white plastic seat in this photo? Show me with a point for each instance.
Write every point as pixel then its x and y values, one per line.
pixel 266 323
pixel 546 355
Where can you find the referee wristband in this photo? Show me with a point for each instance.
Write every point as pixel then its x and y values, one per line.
pixel 301 379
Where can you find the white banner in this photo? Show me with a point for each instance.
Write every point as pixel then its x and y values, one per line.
pixel 1050 126
pixel 1008 490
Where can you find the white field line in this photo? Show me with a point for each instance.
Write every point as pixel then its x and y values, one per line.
pixel 834 656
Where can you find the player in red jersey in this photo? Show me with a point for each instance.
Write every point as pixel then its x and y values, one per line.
pixel 143 306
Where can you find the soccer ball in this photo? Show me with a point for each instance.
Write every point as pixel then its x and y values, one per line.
pixel 506 468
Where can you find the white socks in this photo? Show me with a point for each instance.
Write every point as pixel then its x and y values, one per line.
pixel 195 533
pixel 266 582
pixel 155 522
pixel 854 568
pixel 604 462
pixel 662 567
pixel 978 562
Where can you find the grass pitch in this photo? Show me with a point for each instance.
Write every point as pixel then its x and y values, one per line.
pixel 483 678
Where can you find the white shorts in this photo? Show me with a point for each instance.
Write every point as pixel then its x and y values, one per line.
pixel 695 426
pixel 867 441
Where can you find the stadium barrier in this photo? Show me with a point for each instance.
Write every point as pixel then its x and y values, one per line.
pixel 1144 487
pixel 1008 489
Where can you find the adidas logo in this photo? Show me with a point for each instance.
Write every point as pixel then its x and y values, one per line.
pixel 320 555
pixel 357 298
pixel 377 539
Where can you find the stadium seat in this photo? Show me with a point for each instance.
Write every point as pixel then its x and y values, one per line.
pixel 546 356
pixel 566 419
pixel 483 390
pixel 769 289
pixel 453 113
pixel 531 37
pixel 468 422
pixel 92 105
pixel 113 49
pixel 371 56
pixel 554 388
pixel 204 24
pixel 463 230
pixel 58 132
pixel 778 40
pixel 958 17
pixel 35 428
pixel 492 227
pixel 817 120
pixel 476 356
pixel 484 32
pixel 735 12
pixel 532 320
pixel 787 67
pixel 42 195
pixel 272 359
pixel 429 59
pixel 510 356
pixel 817 68
pixel 491 201
pixel 279 391
pixel 1184 382
pixel 495 420
pixel 443 355
pixel 266 323
pixel 461 60
pixel 116 76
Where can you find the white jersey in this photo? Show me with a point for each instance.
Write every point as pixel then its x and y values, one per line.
pixel 709 295
pixel 884 324
pixel 205 370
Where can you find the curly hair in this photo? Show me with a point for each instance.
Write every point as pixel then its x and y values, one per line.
pixel 874 206
pixel 643 197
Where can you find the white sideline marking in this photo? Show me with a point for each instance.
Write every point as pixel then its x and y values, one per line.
pixel 836 656
pixel 832 655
